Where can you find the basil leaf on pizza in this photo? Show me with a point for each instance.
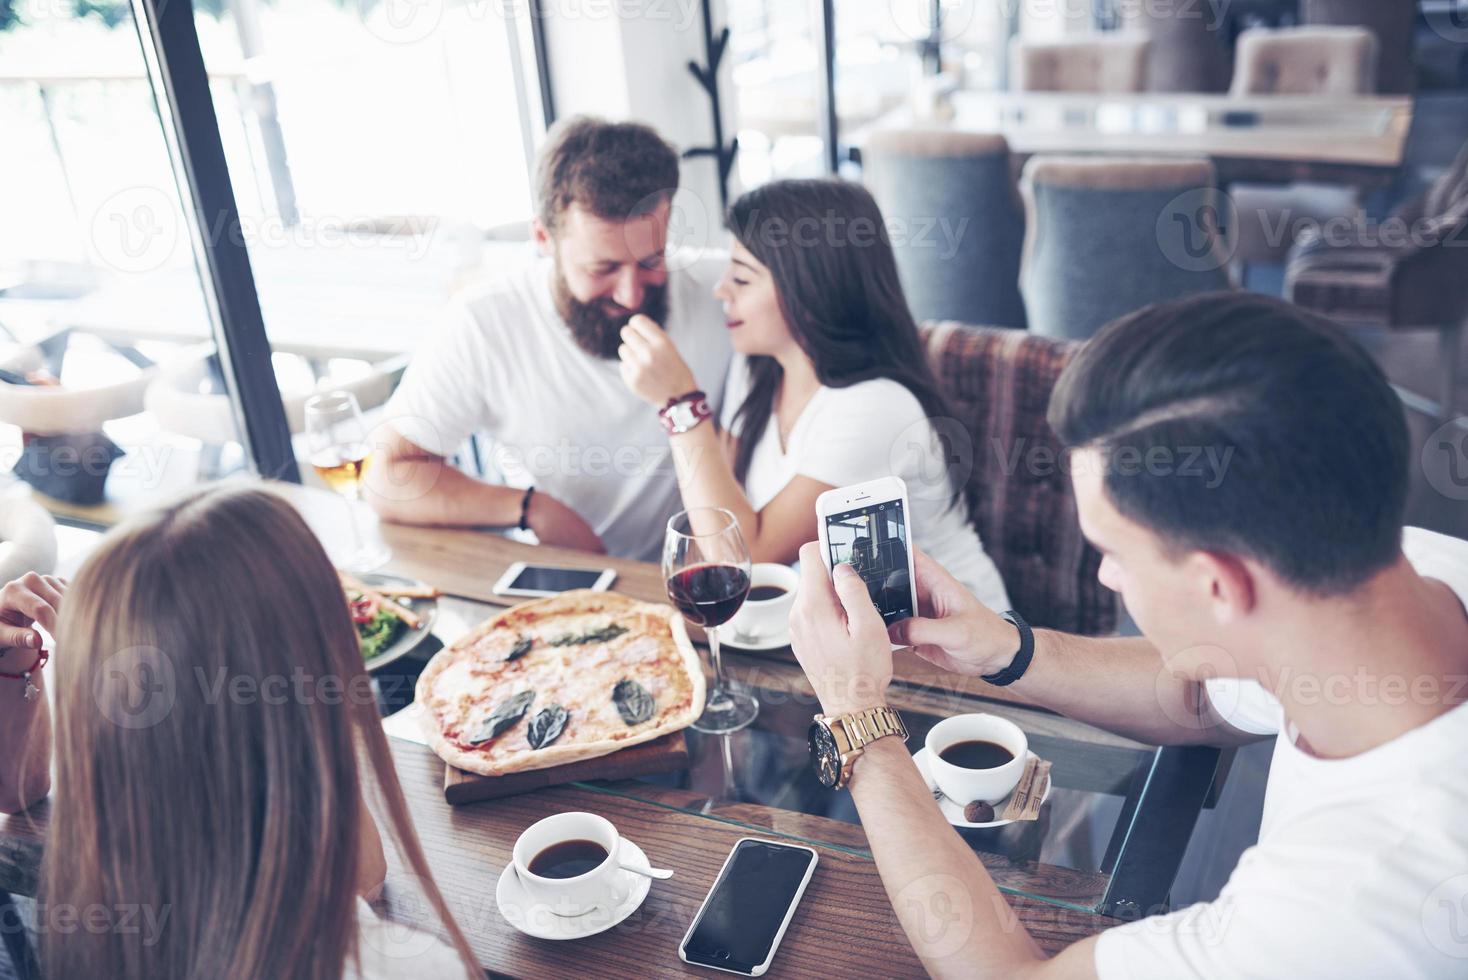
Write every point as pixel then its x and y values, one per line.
pixel 605 671
pixel 547 726
pixel 502 717
pixel 634 704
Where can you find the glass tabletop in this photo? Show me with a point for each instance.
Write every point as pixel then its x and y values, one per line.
pixel 1107 838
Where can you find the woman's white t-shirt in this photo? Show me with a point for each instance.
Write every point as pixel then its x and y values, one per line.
pixel 393 951
pixel 862 432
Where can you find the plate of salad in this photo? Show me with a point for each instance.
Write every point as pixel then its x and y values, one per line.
pixel 392 614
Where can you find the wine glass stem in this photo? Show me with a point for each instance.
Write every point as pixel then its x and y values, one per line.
pixel 720 688
pixel 358 541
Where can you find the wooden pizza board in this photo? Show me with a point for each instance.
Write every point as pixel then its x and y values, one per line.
pixel 666 754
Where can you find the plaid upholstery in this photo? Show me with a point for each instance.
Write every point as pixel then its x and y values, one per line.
pixel 1419 278
pixel 999 382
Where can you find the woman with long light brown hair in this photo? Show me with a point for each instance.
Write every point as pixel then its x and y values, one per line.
pixel 215 739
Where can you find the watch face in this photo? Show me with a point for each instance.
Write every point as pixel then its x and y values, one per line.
pixel 824 756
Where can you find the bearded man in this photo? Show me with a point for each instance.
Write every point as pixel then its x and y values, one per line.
pixel 530 360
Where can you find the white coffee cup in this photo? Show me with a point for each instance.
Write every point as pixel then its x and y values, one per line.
pixel 963 785
pixel 763 619
pixel 606 886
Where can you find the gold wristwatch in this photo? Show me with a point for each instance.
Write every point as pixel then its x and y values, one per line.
pixel 836 743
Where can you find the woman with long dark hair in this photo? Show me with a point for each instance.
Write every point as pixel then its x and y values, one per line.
pixel 833 387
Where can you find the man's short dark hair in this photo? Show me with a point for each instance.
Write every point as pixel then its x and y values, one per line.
pixel 614 170
pixel 1315 439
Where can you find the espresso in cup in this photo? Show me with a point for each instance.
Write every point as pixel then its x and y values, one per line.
pixel 976 754
pixel 568 862
pixel 976 757
pixel 568 859
pixel 765 614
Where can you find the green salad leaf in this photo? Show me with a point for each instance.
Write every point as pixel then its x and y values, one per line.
pixel 379 634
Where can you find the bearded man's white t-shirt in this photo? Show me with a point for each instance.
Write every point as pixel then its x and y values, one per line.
pixel 1361 869
pixel 506 364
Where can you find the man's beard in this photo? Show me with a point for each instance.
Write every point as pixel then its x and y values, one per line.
pixel 597 326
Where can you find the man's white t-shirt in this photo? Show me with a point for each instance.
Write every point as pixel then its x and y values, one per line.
pixel 559 418
pixel 1361 869
pixel 862 432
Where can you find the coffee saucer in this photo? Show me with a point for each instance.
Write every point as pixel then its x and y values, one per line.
pixel 539 920
pixel 746 641
pixel 953 812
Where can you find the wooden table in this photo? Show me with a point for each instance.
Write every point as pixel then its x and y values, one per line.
pixel 755 782
pixel 1263 139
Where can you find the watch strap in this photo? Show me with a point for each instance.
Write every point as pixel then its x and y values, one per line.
pixel 695 409
pixel 1021 661
pixel 866 726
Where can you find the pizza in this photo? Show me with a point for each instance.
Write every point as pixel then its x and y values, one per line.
pixel 562 679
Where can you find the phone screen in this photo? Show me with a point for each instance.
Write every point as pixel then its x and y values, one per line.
pixel 745 909
pixel 873 540
pixel 547 578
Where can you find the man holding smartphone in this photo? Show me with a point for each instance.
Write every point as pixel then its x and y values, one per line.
pixel 530 358
pixel 1286 601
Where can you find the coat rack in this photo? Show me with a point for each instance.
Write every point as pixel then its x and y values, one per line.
pixel 707 76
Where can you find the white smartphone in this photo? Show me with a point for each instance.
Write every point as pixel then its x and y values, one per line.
pixel 534 581
pixel 741 922
pixel 867 527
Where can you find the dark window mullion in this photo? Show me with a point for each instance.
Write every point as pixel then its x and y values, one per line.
pixel 186 110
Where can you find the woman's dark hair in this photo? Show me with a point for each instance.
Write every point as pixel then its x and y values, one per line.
pixel 1242 424
pixel 826 247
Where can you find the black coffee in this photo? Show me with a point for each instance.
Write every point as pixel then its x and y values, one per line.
pixel 761 592
pixel 976 754
pixel 568 859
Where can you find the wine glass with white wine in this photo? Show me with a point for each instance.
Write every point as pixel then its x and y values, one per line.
pixel 340 452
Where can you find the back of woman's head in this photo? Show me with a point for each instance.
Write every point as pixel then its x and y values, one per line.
pixel 210 710
pixel 826 246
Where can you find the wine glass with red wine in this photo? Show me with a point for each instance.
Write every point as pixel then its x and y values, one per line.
pixel 706 566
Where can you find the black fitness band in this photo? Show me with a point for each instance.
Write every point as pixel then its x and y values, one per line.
pixel 525 508
pixel 1021 661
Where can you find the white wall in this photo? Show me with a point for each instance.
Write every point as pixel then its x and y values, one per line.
pixel 627 59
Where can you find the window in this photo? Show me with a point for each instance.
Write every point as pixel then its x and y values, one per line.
pixel 379 158
pixel 98 291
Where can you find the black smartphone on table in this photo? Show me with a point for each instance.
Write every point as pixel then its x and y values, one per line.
pixel 741 922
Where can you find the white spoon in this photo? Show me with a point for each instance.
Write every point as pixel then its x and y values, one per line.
pixel 658 873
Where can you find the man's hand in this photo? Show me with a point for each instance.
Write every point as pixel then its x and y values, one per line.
pixel 651 366
pixel 30 599
pixel 838 637
pixel 556 524
pixel 955 631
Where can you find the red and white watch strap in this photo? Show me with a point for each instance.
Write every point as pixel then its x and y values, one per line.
pixel 685 412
